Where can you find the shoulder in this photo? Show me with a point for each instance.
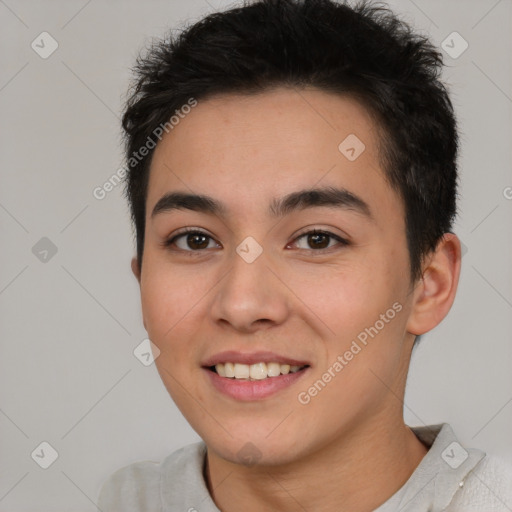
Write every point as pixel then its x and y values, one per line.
pixel 134 487
pixel 137 486
pixel 487 487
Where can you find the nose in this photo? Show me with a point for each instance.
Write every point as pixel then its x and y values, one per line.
pixel 250 296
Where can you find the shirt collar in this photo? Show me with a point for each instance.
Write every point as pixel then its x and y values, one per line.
pixel 441 473
pixel 188 491
pixel 431 487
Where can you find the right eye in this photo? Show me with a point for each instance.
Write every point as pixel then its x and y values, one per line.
pixel 192 240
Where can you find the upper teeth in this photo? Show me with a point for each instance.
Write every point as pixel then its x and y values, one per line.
pixel 256 371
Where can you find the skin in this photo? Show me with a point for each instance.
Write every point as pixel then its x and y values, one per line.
pixel 245 151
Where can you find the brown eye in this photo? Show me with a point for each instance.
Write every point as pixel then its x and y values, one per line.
pixel 197 241
pixel 190 241
pixel 318 240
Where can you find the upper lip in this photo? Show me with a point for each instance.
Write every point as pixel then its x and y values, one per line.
pixel 234 356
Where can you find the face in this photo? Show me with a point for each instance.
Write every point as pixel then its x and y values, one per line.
pixel 267 275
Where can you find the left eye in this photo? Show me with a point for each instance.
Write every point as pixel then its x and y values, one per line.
pixel 320 239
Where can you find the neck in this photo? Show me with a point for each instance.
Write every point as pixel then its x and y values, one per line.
pixel 333 478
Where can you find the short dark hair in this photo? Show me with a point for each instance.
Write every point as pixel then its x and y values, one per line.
pixel 363 51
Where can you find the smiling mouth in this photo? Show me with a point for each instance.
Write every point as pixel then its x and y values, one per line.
pixel 252 372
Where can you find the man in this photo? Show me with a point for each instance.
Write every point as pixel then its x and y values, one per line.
pixel 292 181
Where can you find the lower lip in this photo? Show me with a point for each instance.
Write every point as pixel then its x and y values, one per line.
pixel 251 390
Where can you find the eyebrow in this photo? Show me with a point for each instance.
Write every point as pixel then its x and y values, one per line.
pixel 333 197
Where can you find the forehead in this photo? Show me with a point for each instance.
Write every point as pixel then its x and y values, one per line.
pixel 279 119
pixel 243 148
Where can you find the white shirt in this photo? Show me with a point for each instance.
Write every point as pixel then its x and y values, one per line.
pixel 450 478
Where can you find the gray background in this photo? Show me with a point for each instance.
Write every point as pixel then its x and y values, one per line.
pixel 69 325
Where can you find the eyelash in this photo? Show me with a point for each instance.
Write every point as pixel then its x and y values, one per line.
pixel 194 231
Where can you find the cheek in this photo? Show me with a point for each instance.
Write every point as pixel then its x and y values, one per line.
pixel 170 306
pixel 168 300
pixel 343 296
pixel 363 311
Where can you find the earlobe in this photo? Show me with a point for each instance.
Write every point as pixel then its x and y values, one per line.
pixel 136 268
pixel 435 293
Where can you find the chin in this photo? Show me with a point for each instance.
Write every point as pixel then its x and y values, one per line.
pixel 251 450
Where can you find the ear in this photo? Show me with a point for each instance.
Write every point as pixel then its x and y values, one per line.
pixel 136 268
pixel 435 292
